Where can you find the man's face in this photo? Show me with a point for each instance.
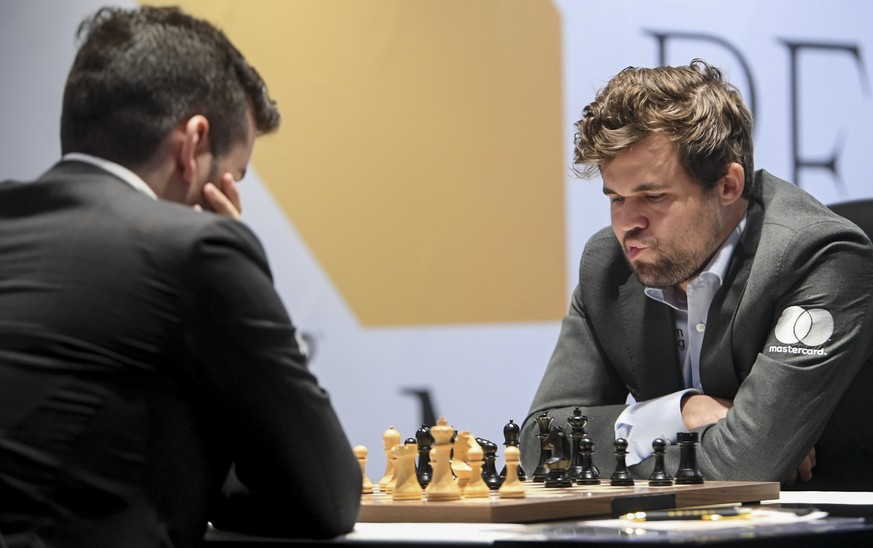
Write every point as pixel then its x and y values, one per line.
pixel 668 225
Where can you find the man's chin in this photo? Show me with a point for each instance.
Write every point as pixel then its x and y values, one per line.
pixel 649 277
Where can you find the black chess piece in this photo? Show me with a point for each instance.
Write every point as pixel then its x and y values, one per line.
pixel 489 468
pixel 424 439
pixel 621 476
pixel 577 431
pixel 660 477
pixel 558 463
pixel 511 433
pixel 452 442
pixel 588 475
pixel 688 473
pixel 544 423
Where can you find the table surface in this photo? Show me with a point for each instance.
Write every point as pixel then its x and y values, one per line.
pixel 832 518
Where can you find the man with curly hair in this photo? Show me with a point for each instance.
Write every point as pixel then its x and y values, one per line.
pixel 722 300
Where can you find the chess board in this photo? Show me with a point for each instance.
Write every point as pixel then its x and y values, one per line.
pixel 545 504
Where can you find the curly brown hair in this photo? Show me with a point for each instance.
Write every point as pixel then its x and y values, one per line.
pixel 702 114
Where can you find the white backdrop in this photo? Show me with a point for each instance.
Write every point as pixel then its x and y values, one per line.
pixel 804 65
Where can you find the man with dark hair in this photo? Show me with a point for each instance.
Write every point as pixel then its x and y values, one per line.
pixel 722 300
pixel 151 379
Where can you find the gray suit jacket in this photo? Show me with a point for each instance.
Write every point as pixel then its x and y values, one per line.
pixel 788 396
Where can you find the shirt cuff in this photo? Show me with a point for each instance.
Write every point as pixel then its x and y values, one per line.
pixel 641 423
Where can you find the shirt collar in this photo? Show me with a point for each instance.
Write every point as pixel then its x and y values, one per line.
pixel 118 170
pixel 719 263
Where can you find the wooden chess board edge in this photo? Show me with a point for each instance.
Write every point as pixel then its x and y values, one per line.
pixel 565 504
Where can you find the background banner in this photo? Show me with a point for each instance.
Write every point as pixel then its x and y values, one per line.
pixel 418 205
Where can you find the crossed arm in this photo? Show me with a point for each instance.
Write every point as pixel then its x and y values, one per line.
pixel 700 410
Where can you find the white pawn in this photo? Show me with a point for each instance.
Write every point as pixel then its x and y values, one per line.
pixel 366 485
pixel 390 438
pixel 512 487
pixel 475 486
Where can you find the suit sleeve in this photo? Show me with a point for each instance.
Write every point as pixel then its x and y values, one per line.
pixel 578 375
pixel 294 470
pixel 818 339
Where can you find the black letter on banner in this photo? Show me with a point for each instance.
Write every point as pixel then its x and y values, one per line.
pixel 662 38
pixel 831 163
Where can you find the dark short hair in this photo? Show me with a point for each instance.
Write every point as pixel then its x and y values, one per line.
pixel 139 72
pixel 694 106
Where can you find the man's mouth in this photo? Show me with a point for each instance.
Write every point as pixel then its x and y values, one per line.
pixel 633 250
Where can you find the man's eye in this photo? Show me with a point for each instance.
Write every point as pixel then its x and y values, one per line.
pixel 654 197
pixel 616 199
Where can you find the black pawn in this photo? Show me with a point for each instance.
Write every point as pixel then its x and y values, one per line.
pixel 588 475
pixel 660 477
pixel 544 422
pixel 621 476
pixel 688 471
pixel 489 468
pixel 511 433
pixel 577 424
pixel 424 439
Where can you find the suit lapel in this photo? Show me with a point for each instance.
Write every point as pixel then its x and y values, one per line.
pixel 648 328
pixel 718 373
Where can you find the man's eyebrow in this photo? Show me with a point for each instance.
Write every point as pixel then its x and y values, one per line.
pixel 643 187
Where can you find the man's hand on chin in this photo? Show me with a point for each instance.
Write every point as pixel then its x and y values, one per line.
pixel 224 200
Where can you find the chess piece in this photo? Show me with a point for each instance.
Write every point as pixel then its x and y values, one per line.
pixel 588 475
pixel 361 452
pixel 475 486
pixel 406 485
pixel 425 442
pixel 512 486
pixel 460 467
pixel 621 476
pixel 544 424
pixel 489 468
pixel 442 485
pixel 577 424
pixel 688 473
pixel 511 433
pixel 390 438
pixel 557 465
pixel 407 441
pixel 392 481
pixel 659 477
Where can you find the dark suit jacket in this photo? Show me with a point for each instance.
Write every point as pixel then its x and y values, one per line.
pixel 788 395
pixel 143 350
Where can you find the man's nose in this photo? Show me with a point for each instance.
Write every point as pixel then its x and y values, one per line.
pixel 629 216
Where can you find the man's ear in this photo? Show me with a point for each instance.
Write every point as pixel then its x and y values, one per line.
pixel 732 184
pixel 195 141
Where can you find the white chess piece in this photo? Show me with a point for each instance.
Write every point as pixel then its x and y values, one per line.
pixel 512 487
